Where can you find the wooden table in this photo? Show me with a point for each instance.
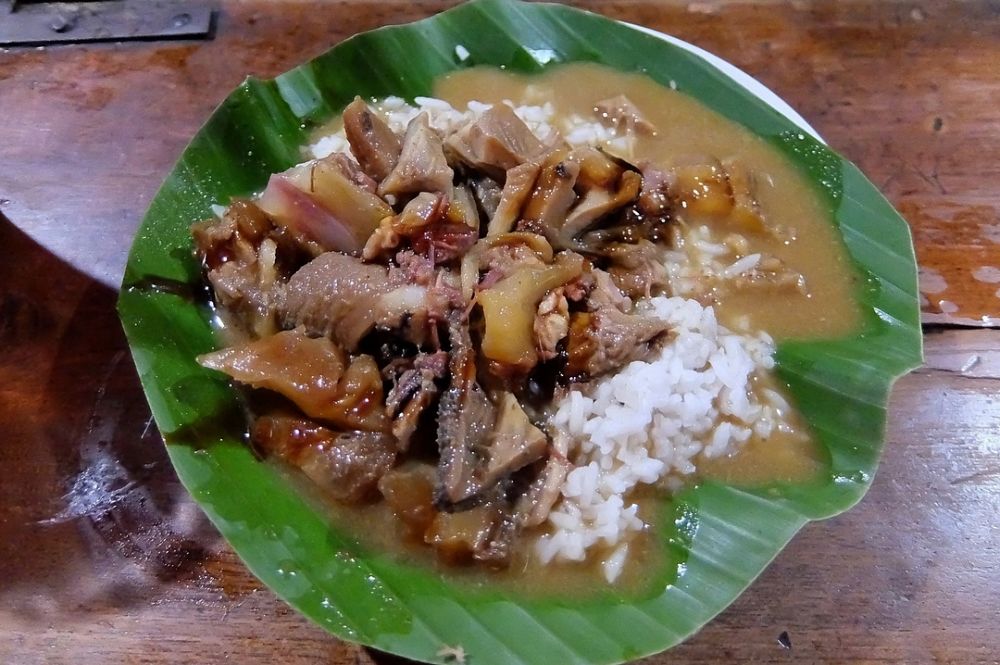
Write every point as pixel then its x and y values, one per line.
pixel 103 558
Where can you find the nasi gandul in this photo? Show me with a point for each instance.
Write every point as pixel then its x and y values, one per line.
pixel 504 322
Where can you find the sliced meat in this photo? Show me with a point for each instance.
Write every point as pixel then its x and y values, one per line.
pixel 445 241
pixel 650 217
pixel 339 296
pixel 314 373
pixel 509 308
pixel 746 213
pixel 247 260
pixel 409 491
pixel 435 228
pixel 242 289
pixel 486 191
pixel 702 189
pixel 419 213
pixel 496 552
pixel 352 171
pixel 516 441
pixel 304 216
pixel 413 391
pixel 553 195
pixel 383 240
pixel 612 339
pixel 317 201
pixel 637 269
pixel 598 169
pixel 607 337
pixel 601 342
pixel 657 187
pixel 598 203
pixel 406 310
pixel 499 255
pixel 534 505
pixel 462 208
pixel 435 363
pixel 445 296
pixel 595 204
pixel 422 166
pixel 605 295
pixel 551 323
pixel 516 192
pixel 335 295
pixel 496 142
pixel 235 237
pixel 483 533
pixel 415 268
pixel 373 143
pixel 347 465
pixel 465 423
pixel 505 253
pixel 621 113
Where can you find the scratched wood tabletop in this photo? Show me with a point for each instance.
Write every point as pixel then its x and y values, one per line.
pixel 103 557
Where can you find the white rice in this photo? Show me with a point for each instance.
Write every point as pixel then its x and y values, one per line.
pixel 649 423
pixel 741 266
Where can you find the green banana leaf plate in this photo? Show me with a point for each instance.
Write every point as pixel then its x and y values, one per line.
pixel 718 538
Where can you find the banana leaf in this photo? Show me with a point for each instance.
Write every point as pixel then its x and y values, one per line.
pixel 718 538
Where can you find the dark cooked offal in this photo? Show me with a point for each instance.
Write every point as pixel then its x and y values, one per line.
pixel 409 313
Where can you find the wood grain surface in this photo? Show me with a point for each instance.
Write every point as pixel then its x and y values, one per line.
pixel 103 557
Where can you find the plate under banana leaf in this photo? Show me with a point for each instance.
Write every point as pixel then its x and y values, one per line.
pixel 718 538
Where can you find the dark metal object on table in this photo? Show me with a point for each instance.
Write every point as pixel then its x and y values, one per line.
pixel 43 23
